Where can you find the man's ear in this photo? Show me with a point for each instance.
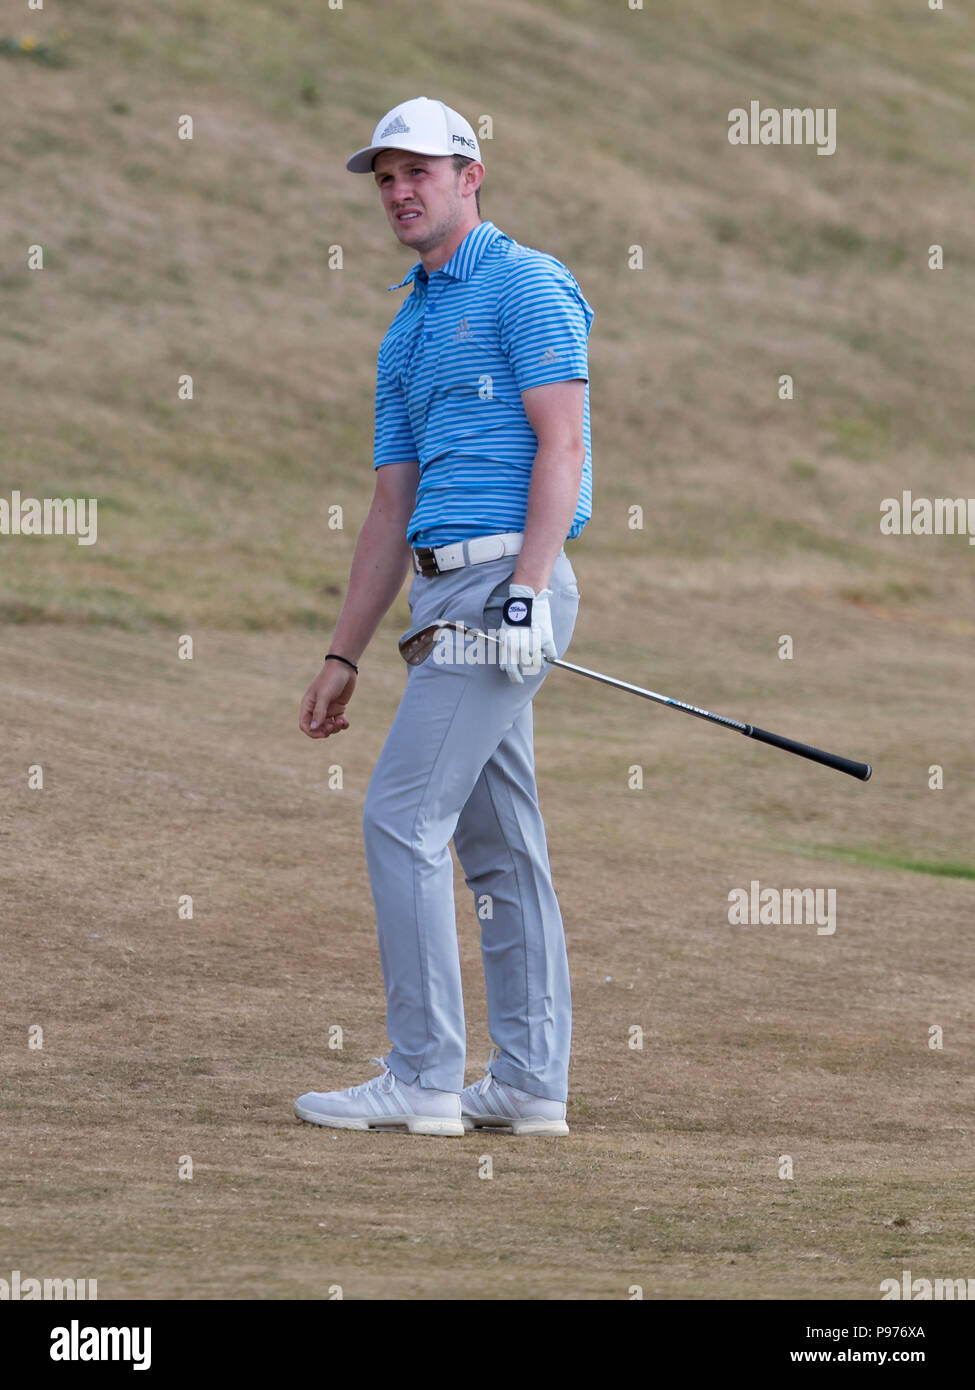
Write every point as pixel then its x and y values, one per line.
pixel 476 182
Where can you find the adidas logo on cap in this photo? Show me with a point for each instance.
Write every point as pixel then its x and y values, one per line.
pixel 397 126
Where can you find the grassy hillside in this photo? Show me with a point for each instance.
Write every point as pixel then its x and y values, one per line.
pixel 165 256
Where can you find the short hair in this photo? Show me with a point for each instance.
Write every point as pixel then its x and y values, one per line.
pixel 461 162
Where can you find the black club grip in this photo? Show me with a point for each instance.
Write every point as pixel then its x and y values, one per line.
pixel 861 771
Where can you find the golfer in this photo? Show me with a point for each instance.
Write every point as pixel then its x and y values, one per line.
pixel 483 471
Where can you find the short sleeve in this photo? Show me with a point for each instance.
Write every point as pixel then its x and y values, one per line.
pixel 544 325
pixel 393 441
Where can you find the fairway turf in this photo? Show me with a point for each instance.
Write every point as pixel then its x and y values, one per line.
pixel 167 1038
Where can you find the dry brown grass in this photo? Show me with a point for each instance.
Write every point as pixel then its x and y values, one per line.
pixel 165 1038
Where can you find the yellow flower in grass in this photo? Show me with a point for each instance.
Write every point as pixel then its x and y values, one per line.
pixel 27 44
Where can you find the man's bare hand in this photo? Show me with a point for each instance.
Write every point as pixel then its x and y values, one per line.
pixel 323 708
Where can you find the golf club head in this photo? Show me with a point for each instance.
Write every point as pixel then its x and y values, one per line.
pixel 415 647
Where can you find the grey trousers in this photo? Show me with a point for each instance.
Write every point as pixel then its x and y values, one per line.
pixel 458 763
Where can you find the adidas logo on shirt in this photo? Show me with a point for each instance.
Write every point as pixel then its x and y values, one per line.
pixel 463 332
pixel 549 355
pixel 397 126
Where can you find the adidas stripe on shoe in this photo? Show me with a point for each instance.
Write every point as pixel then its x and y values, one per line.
pixel 384 1102
pixel 495 1104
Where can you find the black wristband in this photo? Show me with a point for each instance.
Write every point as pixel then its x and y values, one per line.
pixel 334 656
pixel 517 612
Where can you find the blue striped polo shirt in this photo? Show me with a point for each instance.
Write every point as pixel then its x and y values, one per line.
pixel 494 320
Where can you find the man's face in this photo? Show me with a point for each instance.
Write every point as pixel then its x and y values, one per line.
pixel 421 196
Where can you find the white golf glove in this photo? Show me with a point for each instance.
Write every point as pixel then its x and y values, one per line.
pixel 526 633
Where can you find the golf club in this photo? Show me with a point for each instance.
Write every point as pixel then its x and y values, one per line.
pixel 417 646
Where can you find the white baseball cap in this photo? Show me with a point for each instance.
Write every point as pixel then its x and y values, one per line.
pixel 421 126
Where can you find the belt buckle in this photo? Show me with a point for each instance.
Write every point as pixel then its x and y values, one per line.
pixel 423 556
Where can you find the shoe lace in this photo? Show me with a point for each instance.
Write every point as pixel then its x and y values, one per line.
pixel 488 1076
pixel 385 1082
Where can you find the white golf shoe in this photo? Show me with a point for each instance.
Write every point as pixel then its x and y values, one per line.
pixel 384 1102
pixel 495 1104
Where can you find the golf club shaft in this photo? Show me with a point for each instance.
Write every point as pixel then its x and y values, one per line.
pixel 861 771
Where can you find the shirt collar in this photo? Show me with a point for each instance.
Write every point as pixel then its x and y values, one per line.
pixel 465 260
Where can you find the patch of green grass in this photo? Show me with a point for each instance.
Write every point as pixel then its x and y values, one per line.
pixel 725 229
pixel 34 142
pixel 137 172
pixel 108 503
pixel 886 861
pixel 50 55
pixel 802 249
pixel 861 436
pixel 82 605
pixel 199 1066
pixel 903 591
pixel 890 591
pixel 20 610
pixel 305 619
pixel 841 238
pixel 859 338
pixel 797 534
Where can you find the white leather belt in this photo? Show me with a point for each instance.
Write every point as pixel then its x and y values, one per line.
pixel 430 560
